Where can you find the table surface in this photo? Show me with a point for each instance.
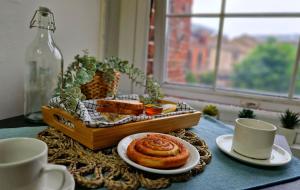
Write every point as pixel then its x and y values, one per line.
pixel 20 121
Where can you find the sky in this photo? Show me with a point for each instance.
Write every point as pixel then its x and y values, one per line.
pixel 256 26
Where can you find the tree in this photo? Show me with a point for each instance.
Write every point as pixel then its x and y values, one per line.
pixel 207 78
pixel 268 67
pixel 190 78
pixel 204 78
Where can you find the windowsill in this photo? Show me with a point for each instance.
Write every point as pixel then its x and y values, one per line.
pixel 260 102
pixel 228 113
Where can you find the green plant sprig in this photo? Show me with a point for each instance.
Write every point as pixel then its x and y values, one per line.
pixel 113 64
pixel 79 72
pixel 84 68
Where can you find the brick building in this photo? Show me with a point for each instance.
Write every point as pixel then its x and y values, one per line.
pixel 178 34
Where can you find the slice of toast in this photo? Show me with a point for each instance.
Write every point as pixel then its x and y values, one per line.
pixel 127 107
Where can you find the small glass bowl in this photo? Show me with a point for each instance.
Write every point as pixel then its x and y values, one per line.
pixel 151 109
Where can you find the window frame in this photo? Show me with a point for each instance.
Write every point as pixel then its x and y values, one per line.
pixel 213 94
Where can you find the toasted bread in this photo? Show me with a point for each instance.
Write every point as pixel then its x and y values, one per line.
pixel 127 107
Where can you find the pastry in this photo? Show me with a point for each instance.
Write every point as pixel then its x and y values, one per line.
pixel 158 151
pixel 125 107
pixel 113 117
pixel 167 108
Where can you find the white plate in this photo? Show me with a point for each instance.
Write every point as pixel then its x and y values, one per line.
pixel 279 156
pixel 54 180
pixel 191 162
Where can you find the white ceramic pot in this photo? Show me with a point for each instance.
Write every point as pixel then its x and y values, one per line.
pixel 290 134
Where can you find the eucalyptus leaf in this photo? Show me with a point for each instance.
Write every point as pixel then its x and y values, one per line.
pixel 83 69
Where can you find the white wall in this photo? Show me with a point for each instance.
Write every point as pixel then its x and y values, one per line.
pixel 77 24
pixel 133 38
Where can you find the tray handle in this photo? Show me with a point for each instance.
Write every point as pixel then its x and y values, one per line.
pixel 57 118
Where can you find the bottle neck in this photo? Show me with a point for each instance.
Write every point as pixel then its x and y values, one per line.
pixel 44 35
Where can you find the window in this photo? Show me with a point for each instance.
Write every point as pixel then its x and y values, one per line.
pixel 236 50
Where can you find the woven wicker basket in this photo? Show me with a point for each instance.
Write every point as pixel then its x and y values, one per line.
pixel 98 88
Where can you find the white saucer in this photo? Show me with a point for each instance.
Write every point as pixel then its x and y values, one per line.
pixel 54 180
pixel 279 156
pixel 191 162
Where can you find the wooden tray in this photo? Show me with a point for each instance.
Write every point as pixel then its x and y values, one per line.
pixel 97 138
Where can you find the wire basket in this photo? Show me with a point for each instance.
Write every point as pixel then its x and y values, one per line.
pixel 99 88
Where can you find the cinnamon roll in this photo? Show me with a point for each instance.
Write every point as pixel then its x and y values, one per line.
pixel 158 151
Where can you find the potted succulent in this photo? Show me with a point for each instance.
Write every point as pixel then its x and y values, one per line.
pixel 211 110
pixel 289 120
pixel 247 113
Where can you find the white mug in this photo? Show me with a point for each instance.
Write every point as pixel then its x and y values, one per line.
pixel 23 164
pixel 253 138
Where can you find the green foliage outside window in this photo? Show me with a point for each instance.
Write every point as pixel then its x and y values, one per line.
pixel 268 67
pixel 204 78
pixel 190 78
pixel 207 78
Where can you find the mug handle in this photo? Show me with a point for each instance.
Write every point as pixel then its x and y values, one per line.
pixel 57 168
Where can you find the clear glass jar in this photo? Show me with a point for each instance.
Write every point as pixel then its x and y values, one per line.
pixel 44 65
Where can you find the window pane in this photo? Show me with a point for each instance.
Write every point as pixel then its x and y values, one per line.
pixel 239 6
pixel 193 6
pixel 191 47
pixel 258 54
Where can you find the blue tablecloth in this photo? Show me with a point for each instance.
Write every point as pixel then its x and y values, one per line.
pixel 223 172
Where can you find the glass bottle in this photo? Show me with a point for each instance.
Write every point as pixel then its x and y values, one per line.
pixel 44 65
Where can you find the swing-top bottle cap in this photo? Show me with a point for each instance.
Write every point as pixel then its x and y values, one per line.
pixel 45 12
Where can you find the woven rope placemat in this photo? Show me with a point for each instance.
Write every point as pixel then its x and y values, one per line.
pixel 105 168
